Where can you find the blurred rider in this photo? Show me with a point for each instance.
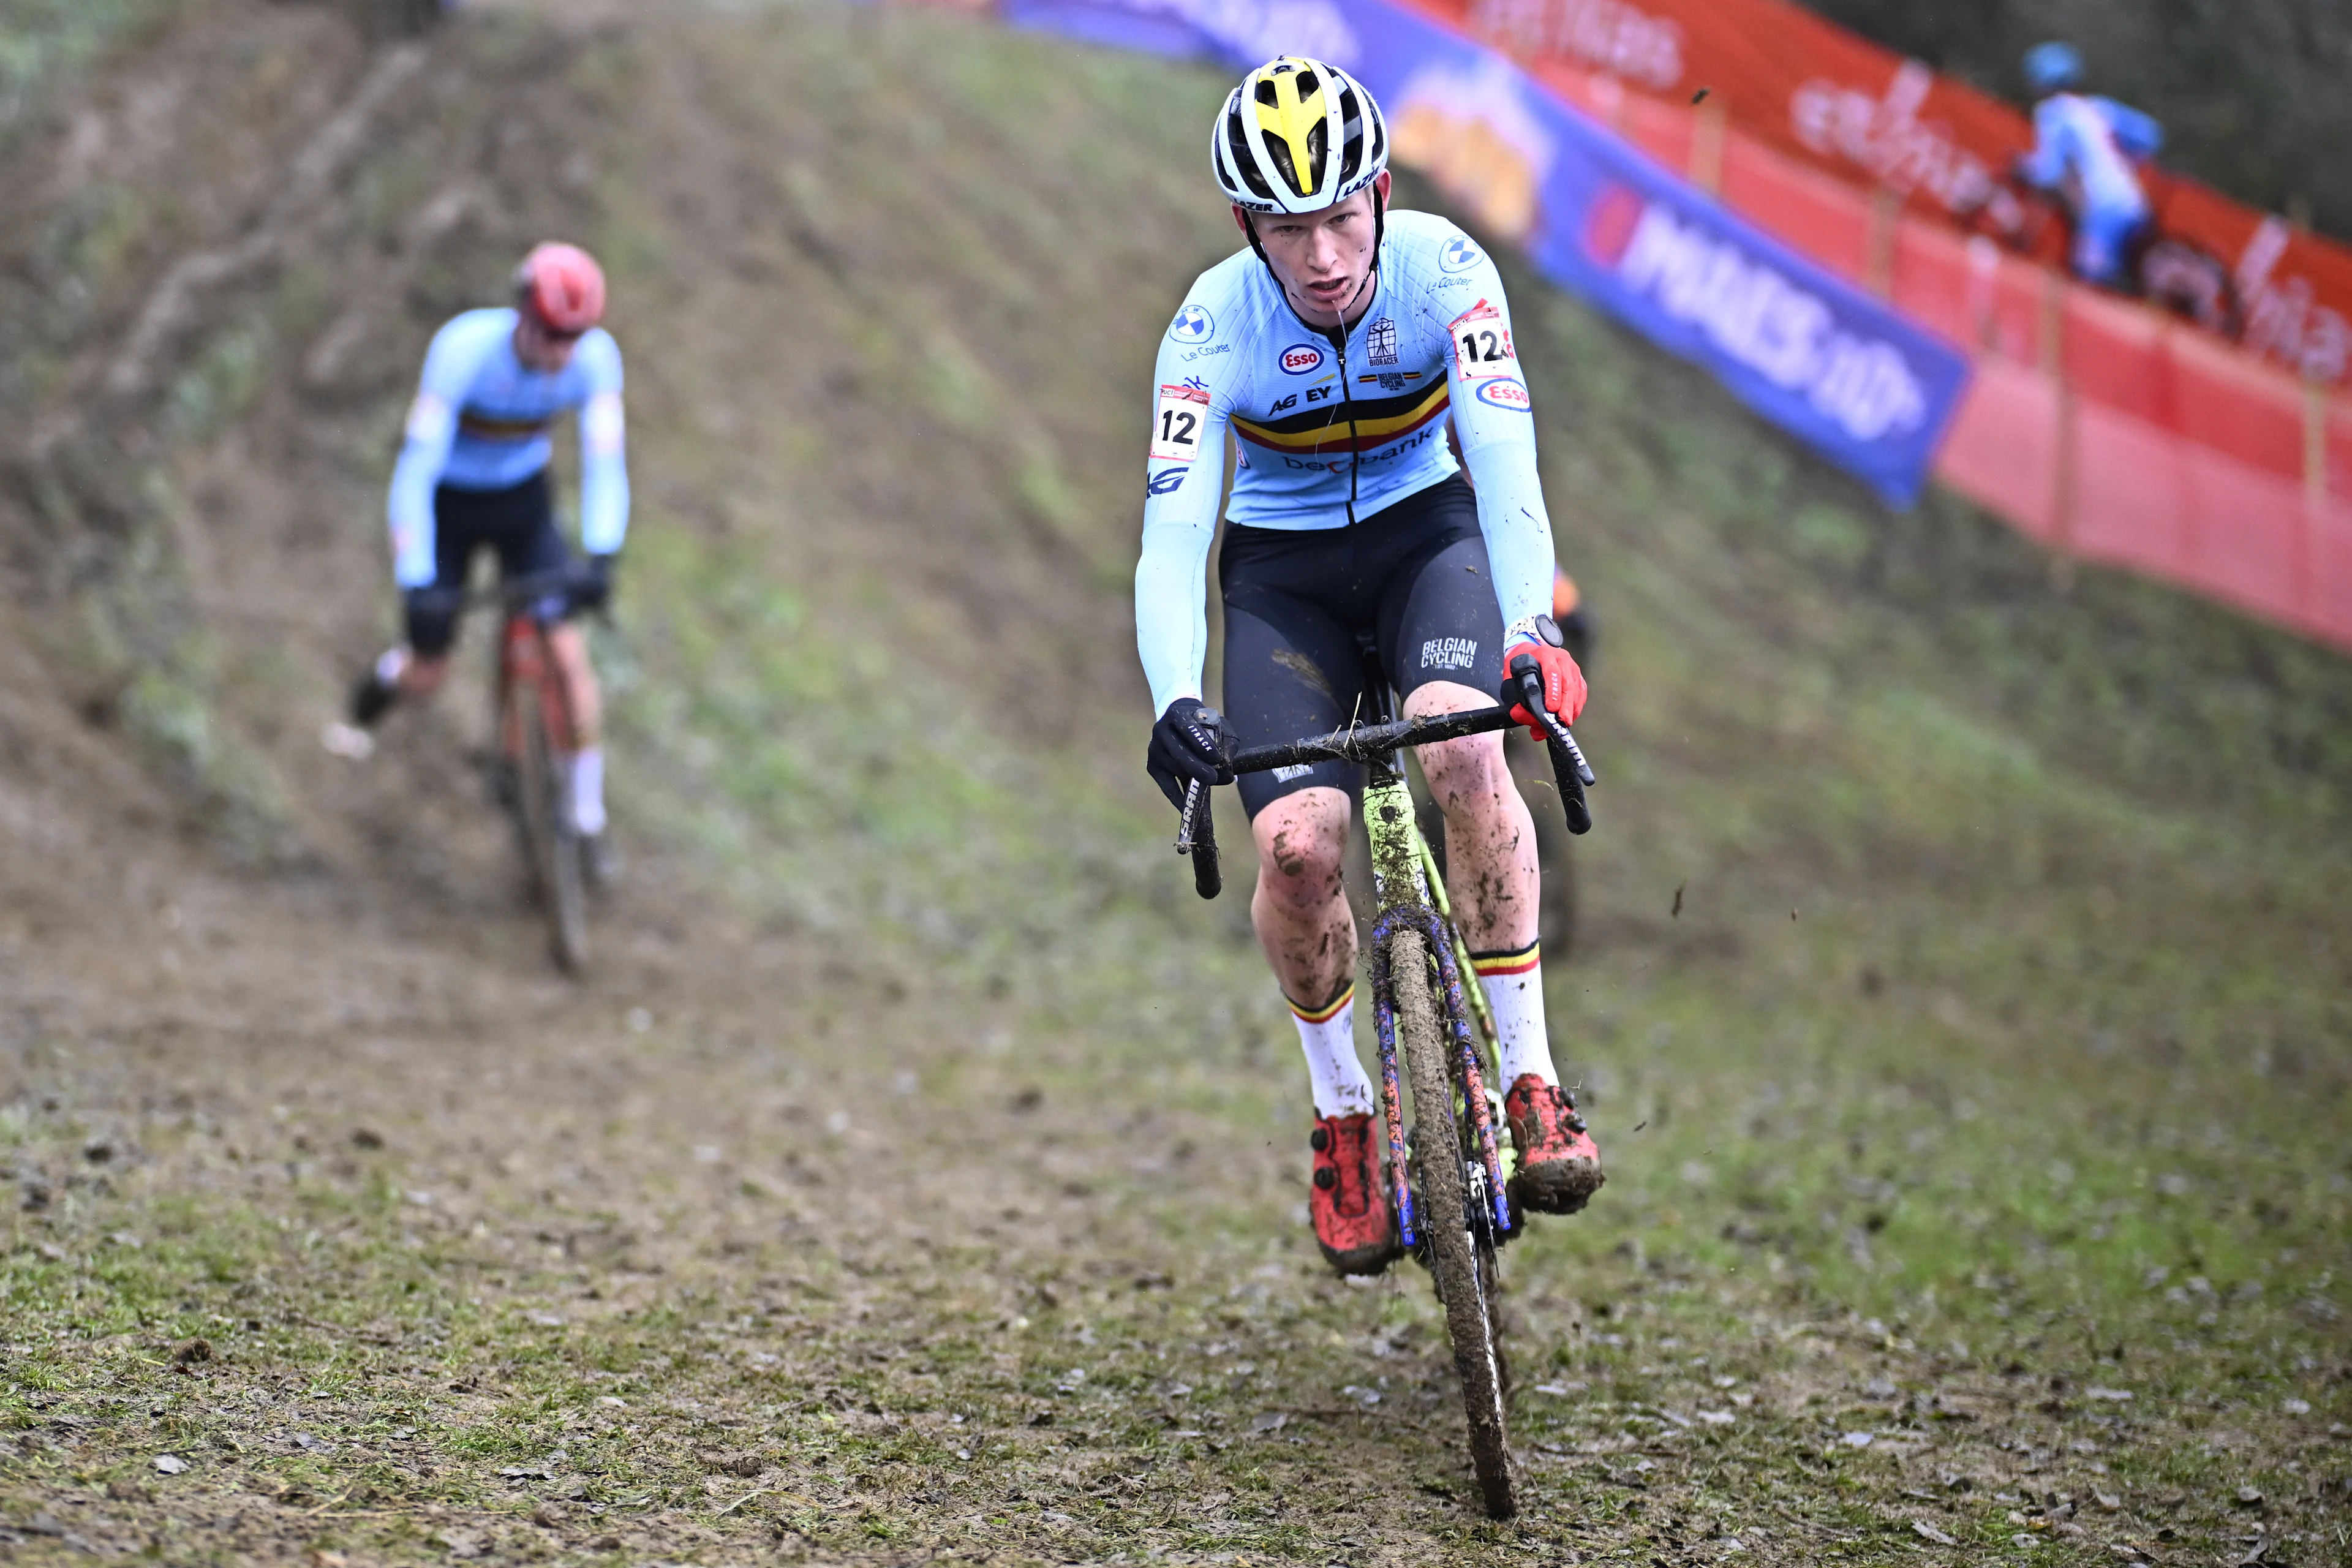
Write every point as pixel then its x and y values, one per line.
pixel 472 475
pixel 2087 152
pixel 1334 348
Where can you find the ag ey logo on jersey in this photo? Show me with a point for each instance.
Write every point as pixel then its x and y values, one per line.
pixel 1176 425
pixel 1459 255
pixel 1482 344
pixel 1505 393
pixel 1300 358
pixel 1194 325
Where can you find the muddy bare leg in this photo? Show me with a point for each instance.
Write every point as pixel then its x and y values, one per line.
pixel 1299 910
pixel 1492 875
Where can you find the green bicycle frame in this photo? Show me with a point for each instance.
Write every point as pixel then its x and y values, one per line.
pixel 1404 872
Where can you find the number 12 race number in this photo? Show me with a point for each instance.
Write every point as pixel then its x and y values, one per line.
pixel 1482 344
pixel 1176 429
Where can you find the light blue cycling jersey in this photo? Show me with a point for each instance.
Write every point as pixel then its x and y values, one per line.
pixel 2091 143
pixel 1328 434
pixel 480 423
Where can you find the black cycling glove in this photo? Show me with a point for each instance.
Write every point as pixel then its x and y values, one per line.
pixel 1188 746
pixel 593 589
pixel 432 614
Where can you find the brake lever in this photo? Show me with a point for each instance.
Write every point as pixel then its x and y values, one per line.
pixel 1196 836
pixel 1531 697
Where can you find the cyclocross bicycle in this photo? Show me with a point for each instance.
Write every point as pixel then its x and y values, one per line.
pixel 1444 1168
pixel 534 730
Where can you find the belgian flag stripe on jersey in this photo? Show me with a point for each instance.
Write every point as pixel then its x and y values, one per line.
pixel 1378 421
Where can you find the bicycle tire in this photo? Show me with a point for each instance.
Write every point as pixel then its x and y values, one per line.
pixel 553 848
pixel 1464 1280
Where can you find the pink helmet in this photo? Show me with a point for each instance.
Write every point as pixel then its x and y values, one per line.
pixel 563 287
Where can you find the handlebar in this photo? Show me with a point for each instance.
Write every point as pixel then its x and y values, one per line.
pixel 1196 833
pixel 564 583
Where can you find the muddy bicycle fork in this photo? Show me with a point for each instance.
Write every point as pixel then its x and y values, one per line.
pixel 1410 895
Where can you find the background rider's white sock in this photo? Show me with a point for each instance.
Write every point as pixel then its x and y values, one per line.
pixel 1328 1034
pixel 1513 982
pixel 588 790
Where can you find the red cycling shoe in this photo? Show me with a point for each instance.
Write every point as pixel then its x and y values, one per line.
pixel 1355 1224
pixel 1559 1167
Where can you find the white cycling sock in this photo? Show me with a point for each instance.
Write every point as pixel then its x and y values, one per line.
pixel 588 790
pixel 1328 1034
pixel 1513 982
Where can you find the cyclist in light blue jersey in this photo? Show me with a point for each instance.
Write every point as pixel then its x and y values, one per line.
pixel 2087 151
pixel 1335 351
pixel 472 475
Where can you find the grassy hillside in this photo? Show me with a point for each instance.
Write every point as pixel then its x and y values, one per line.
pixel 1961 1000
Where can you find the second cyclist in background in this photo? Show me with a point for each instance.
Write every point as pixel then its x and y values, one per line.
pixel 2087 152
pixel 472 476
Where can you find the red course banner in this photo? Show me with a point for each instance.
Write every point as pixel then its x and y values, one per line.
pixel 1807 88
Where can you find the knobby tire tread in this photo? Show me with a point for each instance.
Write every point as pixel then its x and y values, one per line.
pixel 1453 1253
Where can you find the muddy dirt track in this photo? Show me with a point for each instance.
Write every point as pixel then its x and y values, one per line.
pixel 917 1175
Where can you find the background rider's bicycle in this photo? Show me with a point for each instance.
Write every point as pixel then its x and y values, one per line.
pixel 1445 1168
pixel 534 733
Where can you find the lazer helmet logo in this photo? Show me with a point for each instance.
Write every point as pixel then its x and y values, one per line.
pixel 1164 481
pixel 1194 325
pixel 1459 256
pixel 1300 358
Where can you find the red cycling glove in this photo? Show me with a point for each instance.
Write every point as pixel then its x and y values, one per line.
pixel 1563 682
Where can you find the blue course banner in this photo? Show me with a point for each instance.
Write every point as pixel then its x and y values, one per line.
pixel 1828 361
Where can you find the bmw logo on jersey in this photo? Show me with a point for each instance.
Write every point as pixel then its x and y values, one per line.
pixel 1194 325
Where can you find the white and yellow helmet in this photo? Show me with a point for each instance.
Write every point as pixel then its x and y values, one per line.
pixel 1297 136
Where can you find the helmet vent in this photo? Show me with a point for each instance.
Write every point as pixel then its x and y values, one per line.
pixel 1235 154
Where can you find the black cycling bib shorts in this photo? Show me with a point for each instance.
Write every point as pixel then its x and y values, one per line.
pixel 517 522
pixel 1414 575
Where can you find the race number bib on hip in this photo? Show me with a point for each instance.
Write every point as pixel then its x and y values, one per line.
pixel 1176 427
pixel 1482 344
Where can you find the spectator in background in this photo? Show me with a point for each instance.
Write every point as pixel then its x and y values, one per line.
pixel 2087 152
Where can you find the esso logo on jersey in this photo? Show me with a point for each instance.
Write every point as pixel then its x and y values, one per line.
pixel 1300 358
pixel 1505 395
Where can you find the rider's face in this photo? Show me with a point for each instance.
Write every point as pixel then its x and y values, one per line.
pixel 540 349
pixel 1322 258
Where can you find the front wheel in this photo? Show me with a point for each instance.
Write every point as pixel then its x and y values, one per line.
pixel 1460 1261
pixel 549 838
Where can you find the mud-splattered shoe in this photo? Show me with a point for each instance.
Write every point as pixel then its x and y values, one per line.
pixel 372 698
pixel 599 859
pixel 1355 1224
pixel 1559 1168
